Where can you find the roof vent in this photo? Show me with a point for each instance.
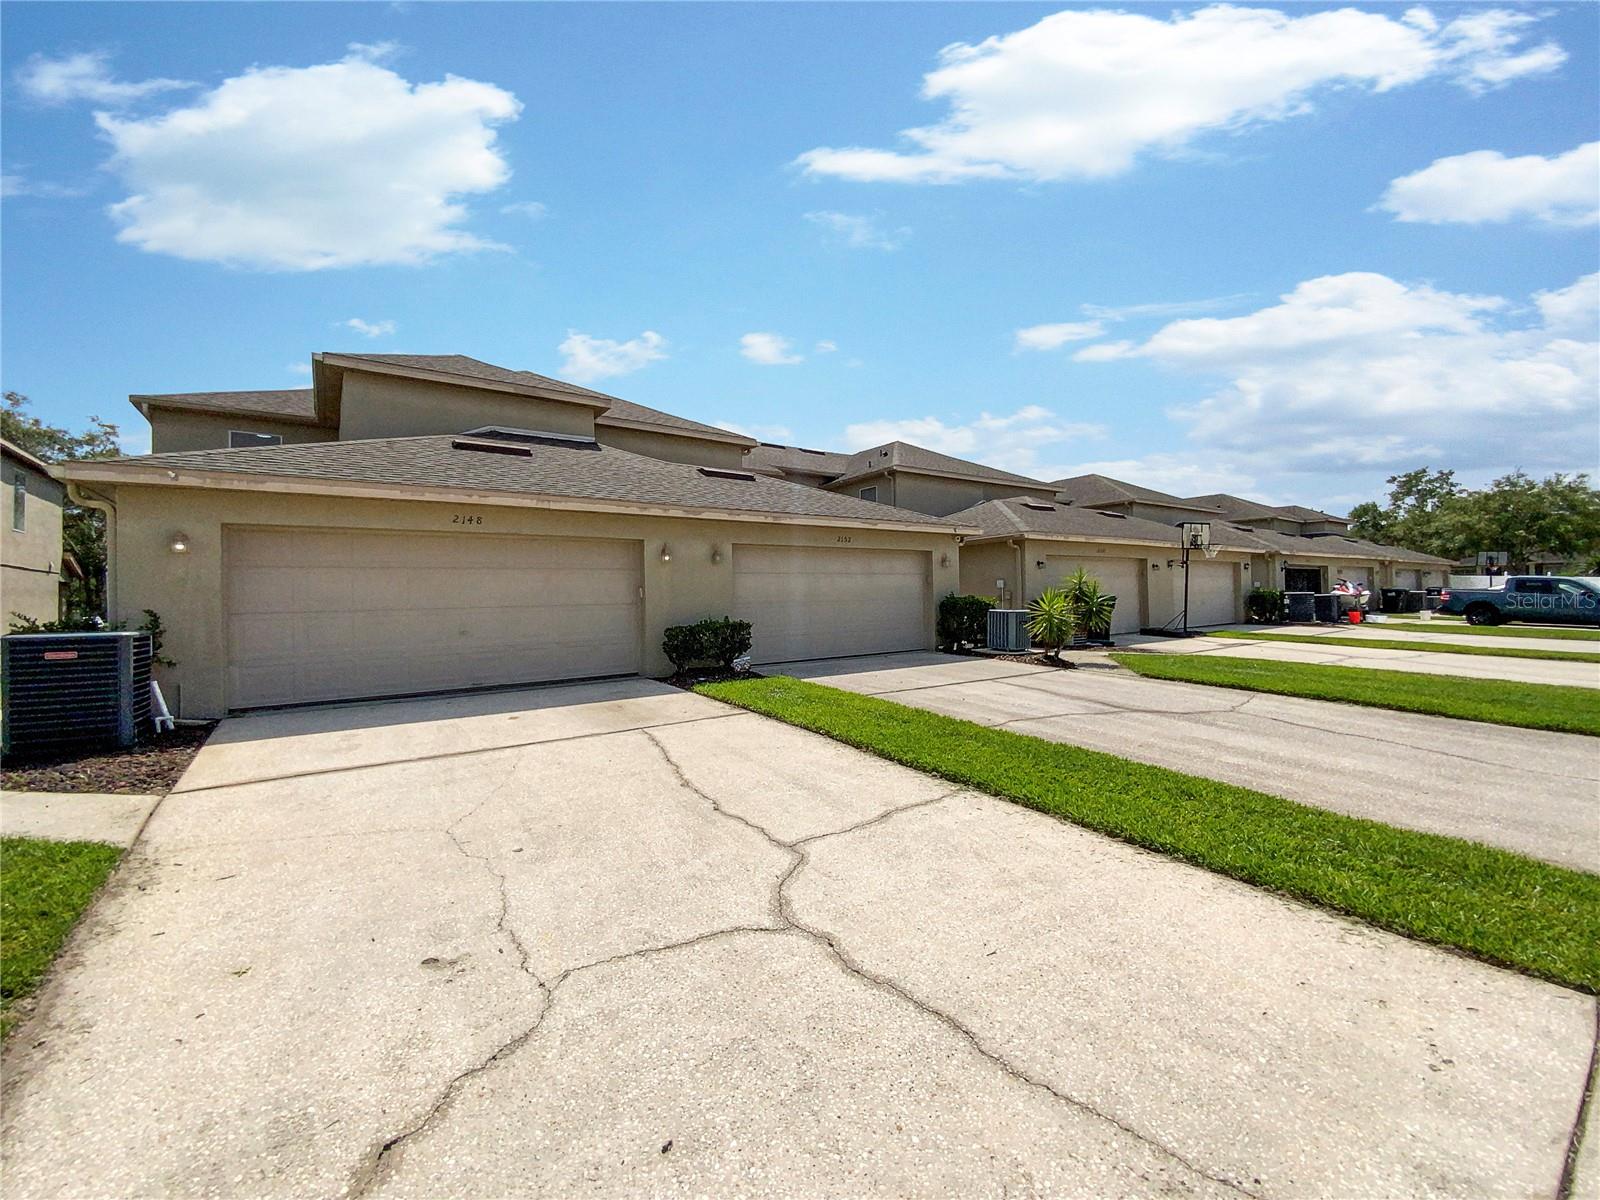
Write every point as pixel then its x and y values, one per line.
pixel 490 446
pixel 1038 506
pixel 718 473
pixel 1114 516
pixel 532 437
pixel 820 453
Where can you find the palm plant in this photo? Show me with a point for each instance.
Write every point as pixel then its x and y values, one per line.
pixel 1051 621
pixel 1091 607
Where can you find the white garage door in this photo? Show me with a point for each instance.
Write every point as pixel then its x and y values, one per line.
pixel 822 602
pixel 1361 575
pixel 1212 593
pixel 342 613
pixel 1408 579
pixel 1118 577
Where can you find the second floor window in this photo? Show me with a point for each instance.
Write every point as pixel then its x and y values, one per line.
pixel 869 493
pixel 19 502
pixel 240 439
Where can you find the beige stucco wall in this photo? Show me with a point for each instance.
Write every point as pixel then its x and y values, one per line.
pixel 172 431
pixel 984 563
pixel 187 591
pixel 702 452
pixel 939 497
pixel 376 406
pixel 30 561
pixel 1160 514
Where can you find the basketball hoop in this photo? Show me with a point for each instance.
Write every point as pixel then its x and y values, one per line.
pixel 1196 535
pixel 1211 551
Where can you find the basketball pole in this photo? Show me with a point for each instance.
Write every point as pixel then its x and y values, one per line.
pixel 1185 587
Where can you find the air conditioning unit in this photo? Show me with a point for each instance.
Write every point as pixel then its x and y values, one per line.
pixel 62 690
pixel 1008 630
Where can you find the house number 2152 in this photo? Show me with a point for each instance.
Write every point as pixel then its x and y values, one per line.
pixel 843 537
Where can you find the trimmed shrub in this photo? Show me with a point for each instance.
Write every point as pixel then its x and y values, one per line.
pixel 717 640
pixel 963 621
pixel 1264 606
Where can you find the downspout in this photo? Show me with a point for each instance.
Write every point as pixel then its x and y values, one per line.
pixel 100 504
pixel 1022 585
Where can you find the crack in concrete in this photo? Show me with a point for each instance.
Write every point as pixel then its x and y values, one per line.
pixel 831 942
pixel 502 922
pixel 448 754
pixel 1569 1166
pixel 789 925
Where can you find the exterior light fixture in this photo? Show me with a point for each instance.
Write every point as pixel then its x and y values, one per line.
pixel 1039 564
pixel 716 554
pixel 944 560
pixel 179 543
pixel 666 554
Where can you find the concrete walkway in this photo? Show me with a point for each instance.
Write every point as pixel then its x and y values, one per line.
pixel 74 817
pixel 1442 632
pixel 619 940
pixel 1526 790
pixel 1378 657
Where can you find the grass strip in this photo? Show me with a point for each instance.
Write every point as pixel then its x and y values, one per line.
pixel 1494 701
pixel 1490 903
pixel 1491 631
pixel 47 885
pixel 1317 639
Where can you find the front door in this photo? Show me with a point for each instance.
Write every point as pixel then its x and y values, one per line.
pixel 1302 579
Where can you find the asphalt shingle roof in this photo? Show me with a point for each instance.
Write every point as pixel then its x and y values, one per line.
pixel 627 410
pixel 1013 516
pixel 298 404
pixel 1103 490
pixel 584 471
pixel 768 456
pixel 473 368
pixel 907 457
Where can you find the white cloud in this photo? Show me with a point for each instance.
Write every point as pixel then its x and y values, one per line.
pixel 299 368
pixel 769 349
pixel 18 185
pixel 1083 93
pixel 1010 442
pixel 1104 352
pixel 1053 337
pixel 85 76
pixel 1486 186
pixel 531 209
pixel 589 358
pixel 824 347
pixel 1162 308
pixel 859 231
pixel 1360 371
pixel 302 169
pixel 371 329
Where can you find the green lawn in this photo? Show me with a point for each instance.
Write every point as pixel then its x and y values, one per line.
pixel 1486 902
pixel 1316 639
pixel 1496 701
pixel 1492 631
pixel 44 887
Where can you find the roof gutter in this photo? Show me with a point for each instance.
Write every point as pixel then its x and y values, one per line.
pixel 155 476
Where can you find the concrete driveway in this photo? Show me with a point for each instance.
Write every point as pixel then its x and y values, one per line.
pixel 1446 633
pixel 1526 790
pixel 614 939
pixel 1382 658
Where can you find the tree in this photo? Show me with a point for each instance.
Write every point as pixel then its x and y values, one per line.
pixel 1417 500
pixel 1524 517
pixel 1050 621
pixel 83 531
pixel 1516 514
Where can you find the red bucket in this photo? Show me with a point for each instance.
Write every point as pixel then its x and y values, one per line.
pixel 1354 615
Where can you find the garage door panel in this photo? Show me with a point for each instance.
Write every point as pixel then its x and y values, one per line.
pixel 819 601
pixel 1119 577
pixel 1213 589
pixel 330 614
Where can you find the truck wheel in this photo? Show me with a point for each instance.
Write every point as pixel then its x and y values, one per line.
pixel 1482 614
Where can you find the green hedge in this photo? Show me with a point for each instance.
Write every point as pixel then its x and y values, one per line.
pixel 717 640
pixel 963 620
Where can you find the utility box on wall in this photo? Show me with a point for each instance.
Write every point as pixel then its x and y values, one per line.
pixel 61 690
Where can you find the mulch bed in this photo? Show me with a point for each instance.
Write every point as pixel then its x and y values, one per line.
pixel 1035 660
pixel 150 768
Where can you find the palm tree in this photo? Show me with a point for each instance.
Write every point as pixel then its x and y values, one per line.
pixel 1051 621
pixel 1091 608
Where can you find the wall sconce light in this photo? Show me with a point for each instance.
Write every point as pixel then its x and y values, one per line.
pixel 1039 564
pixel 716 554
pixel 944 560
pixel 1169 564
pixel 666 554
pixel 1155 566
pixel 179 543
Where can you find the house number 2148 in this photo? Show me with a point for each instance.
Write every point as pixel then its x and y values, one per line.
pixel 465 519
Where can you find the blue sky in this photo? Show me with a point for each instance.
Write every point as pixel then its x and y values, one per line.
pixel 1279 251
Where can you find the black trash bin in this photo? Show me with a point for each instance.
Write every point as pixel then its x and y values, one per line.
pixel 1323 608
pixel 1299 606
pixel 1430 598
pixel 1393 600
pixel 1415 599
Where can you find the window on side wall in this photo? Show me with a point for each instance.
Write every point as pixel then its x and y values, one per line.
pixel 869 493
pixel 19 502
pixel 243 439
